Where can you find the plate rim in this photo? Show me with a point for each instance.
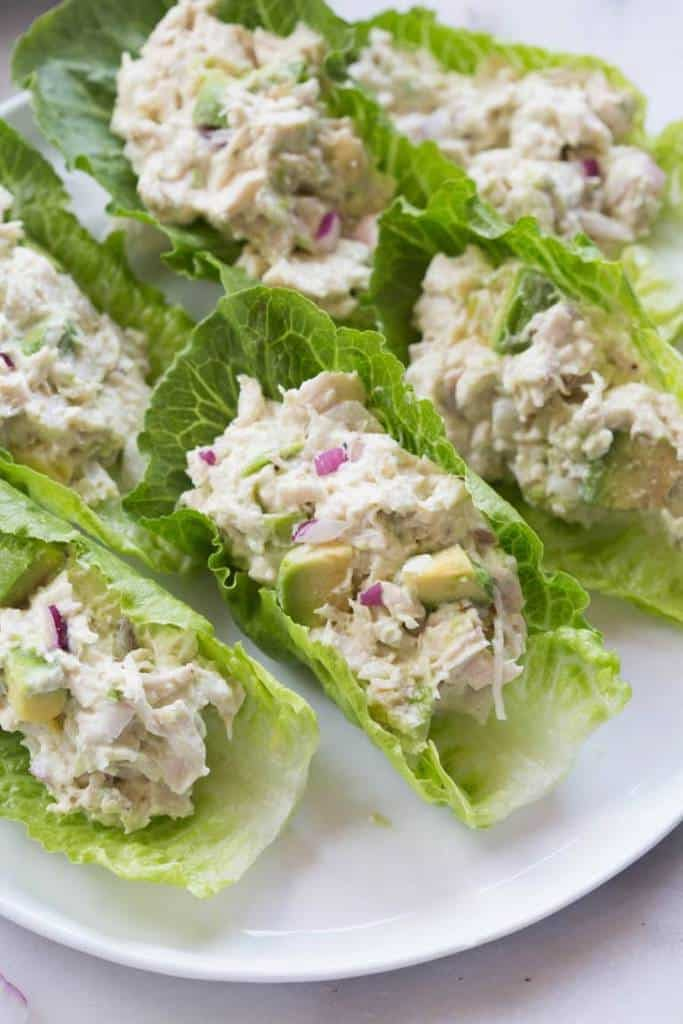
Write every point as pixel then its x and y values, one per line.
pixel 258 972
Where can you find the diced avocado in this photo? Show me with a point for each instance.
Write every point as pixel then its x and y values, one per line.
pixel 28 678
pixel 280 525
pixel 34 339
pixel 308 574
pixel 529 293
pixel 208 109
pixel 24 564
pixel 290 452
pixel 449 575
pixel 637 473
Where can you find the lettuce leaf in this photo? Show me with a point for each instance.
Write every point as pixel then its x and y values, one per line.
pixel 69 59
pixel 569 684
pixel 102 273
pixel 625 558
pixel 654 264
pixel 255 778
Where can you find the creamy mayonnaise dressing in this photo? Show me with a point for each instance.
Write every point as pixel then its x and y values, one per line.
pixel 72 382
pixel 229 125
pixel 548 414
pixel 128 742
pixel 549 143
pixel 314 478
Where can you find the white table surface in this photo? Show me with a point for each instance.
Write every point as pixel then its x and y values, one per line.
pixel 616 955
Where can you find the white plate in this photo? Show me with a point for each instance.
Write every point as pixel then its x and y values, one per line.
pixel 339 894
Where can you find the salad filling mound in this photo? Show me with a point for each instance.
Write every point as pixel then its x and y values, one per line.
pixel 109 712
pixel 229 125
pixel 549 143
pixel 381 553
pixel 72 382
pixel 551 395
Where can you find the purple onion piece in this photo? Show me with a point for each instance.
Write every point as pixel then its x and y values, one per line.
pixel 300 529
pixel 208 456
pixel 13 1003
pixel 7 360
pixel 61 627
pixel 329 223
pixel 330 461
pixel 591 167
pixel 372 597
pixel 317 531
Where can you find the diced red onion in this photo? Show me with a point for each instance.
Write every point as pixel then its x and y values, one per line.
pixel 591 167
pixel 330 223
pixel 61 627
pixel 317 531
pixel 372 597
pixel 7 360
pixel 330 461
pixel 208 456
pixel 13 1003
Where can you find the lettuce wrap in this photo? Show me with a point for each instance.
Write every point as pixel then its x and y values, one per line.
pixel 620 555
pixel 569 682
pixel 70 57
pixel 653 263
pixel 102 274
pixel 255 779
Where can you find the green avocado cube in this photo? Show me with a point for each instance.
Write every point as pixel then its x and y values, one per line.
pixel 34 339
pixel 308 574
pixel 208 109
pixel 449 575
pixel 31 689
pixel 528 294
pixel 636 474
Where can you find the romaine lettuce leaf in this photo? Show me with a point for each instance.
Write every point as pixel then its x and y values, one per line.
pixel 569 684
pixel 102 273
pixel 255 778
pixel 654 264
pixel 624 559
pixel 69 59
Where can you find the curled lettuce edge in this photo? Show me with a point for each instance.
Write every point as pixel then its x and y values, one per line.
pixel 622 558
pixel 102 273
pixel 256 777
pixel 570 683
pixel 650 262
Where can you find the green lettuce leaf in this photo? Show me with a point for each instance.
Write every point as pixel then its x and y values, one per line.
pixel 255 778
pixel 654 264
pixel 569 684
pixel 102 273
pixel 69 59
pixel 624 559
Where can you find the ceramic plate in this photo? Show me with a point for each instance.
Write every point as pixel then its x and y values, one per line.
pixel 365 877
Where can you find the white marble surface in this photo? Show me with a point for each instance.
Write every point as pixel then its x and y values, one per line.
pixel 615 955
